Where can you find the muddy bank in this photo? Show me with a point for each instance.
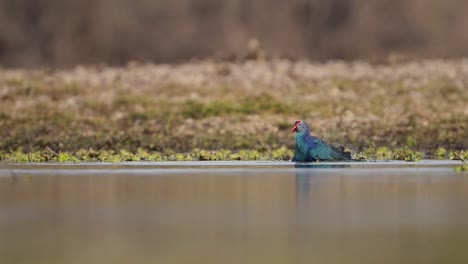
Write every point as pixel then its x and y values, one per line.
pixel 232 106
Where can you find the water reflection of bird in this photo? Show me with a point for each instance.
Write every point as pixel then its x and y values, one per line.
pixel 306 175
pixel 309 148
pixel 309 167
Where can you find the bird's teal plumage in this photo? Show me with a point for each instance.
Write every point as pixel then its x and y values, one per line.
pixel 309 148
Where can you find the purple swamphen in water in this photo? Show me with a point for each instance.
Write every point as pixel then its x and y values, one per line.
pixel 309 148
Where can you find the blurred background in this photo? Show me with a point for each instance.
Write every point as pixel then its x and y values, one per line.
pixel 58 33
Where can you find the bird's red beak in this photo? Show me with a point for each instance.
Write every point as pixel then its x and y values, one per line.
pixel 294 128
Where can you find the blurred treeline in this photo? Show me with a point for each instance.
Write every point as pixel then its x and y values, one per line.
pixel 69 32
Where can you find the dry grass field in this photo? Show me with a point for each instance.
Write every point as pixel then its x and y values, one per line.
pixel 216 105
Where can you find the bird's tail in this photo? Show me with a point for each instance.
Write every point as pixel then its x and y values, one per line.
pixel 340 153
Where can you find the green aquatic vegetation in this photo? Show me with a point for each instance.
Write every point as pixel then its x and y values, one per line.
pixel 91 155
pixel 282 153
pixel 128 156
pixel 201 154
pixel 406 154
pixel 66 157
pixel 279 153
pixel 38 157
pixel 463 167
pixel 87 155
pixel 385 153
pixel 17 156
pixel 183 157
pixel 373 153
pixel 157 156
pixel 142 154
pixel 458 155
pixel 250 154
pixel 112 156
pixel 440 153
pixel 245 154
pixel 20 156
pixel 223 154
pixel 368 153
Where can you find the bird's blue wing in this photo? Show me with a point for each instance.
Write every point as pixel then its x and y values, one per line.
pixel 320 151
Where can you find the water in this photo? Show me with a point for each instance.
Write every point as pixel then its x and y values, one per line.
pixel 234 212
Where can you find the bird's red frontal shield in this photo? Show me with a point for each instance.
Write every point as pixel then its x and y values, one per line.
pixel 294 128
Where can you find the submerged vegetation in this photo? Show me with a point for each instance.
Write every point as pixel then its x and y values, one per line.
pixel 233 111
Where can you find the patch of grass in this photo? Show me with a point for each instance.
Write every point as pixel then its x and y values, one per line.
pixel 132 100
pixel 198 110
pixel 245 106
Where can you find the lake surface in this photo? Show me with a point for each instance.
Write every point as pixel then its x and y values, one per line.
pixel 234 212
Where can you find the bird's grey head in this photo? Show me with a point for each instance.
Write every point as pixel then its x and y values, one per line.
pixel 300 127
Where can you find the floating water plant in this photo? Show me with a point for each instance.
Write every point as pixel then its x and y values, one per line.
pixel 440 153
pixel 463 167
pixel 406 154
pixel 458 155
pixel 385 153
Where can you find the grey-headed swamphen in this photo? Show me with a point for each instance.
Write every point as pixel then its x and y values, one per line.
pixel 309 148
